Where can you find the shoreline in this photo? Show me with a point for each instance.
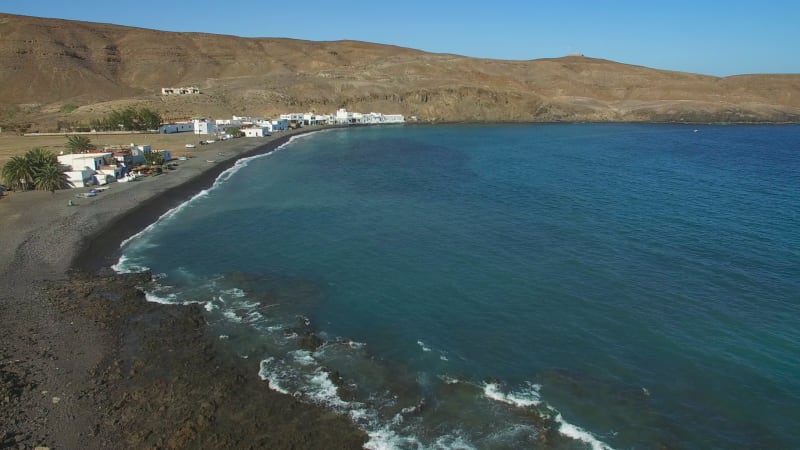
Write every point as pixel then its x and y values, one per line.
pixel 106 240
pixel 68 325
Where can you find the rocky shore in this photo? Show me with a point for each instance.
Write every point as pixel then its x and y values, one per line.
pixel 86 362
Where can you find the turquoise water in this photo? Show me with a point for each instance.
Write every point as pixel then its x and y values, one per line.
pixel 535 286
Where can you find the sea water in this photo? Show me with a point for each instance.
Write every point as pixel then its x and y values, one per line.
pixel 510 286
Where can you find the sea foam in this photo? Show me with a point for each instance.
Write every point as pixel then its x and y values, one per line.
pixel 529 396
pixel 579 434
pixel 525 397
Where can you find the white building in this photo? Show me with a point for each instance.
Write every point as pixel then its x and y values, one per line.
pixel 256 131
pixel 203 125
pixel 81 161
pixel 393 118
pixel 179 127
pixel 293 117
pixel 309 119
pixel 248 120
pixel 180 90
pixel 86 169
pixel 342 117
pixel 222 124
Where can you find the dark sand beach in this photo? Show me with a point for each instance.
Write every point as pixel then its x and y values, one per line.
pixel 86 362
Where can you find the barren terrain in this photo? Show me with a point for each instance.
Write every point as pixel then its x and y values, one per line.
pixel 57 73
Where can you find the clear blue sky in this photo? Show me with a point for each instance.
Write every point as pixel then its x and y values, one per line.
pixel 703 36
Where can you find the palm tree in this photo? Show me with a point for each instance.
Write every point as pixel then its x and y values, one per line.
pixel 50 177
pixel 18 173
pixel 39 157
pixel 78 144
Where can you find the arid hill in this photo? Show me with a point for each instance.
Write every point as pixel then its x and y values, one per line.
pixel 56 70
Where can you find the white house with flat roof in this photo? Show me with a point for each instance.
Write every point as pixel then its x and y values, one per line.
pixel 203 125
pixel 178 127
pixel 222 124
pixel 297 117
pixel 393 118
pixel 311 119
pixel 82 169
pixel 256 131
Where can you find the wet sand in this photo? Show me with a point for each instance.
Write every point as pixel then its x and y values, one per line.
pixel 86 362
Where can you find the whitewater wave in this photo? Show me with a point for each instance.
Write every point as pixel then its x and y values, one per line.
pixel 529 396
pixel 579 434
pixel 523 398
pixel 125 264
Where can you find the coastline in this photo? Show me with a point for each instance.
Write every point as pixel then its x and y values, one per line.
pixel 80 372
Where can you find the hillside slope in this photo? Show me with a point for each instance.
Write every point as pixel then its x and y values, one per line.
pixel 48 63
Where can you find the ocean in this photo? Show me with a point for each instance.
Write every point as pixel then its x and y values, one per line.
pixel 569 286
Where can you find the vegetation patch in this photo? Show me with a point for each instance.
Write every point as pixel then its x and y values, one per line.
pixel 38 169
pixel 67 108
pixel 128 119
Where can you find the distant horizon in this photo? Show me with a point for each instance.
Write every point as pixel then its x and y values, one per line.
pixel 704 37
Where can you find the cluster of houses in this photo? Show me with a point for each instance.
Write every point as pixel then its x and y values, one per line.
pixel 259 127
pixel 117 163
pixel 112 164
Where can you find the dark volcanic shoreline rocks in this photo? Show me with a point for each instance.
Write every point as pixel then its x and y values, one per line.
pixel 160 381
pixel 167 384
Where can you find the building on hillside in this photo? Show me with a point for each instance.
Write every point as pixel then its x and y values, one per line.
pixel 204 125
pixel 180 90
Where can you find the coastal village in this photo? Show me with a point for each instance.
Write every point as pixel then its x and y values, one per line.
pixel 124 163
pixel 577 253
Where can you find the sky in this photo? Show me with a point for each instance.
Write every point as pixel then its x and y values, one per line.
pixel 717 37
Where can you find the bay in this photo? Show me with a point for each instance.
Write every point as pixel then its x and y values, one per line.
pixel 507 286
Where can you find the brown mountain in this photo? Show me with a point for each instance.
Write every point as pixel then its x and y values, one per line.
pixel 48 67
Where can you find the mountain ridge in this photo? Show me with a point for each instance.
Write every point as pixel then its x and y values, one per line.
pixel 46 64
